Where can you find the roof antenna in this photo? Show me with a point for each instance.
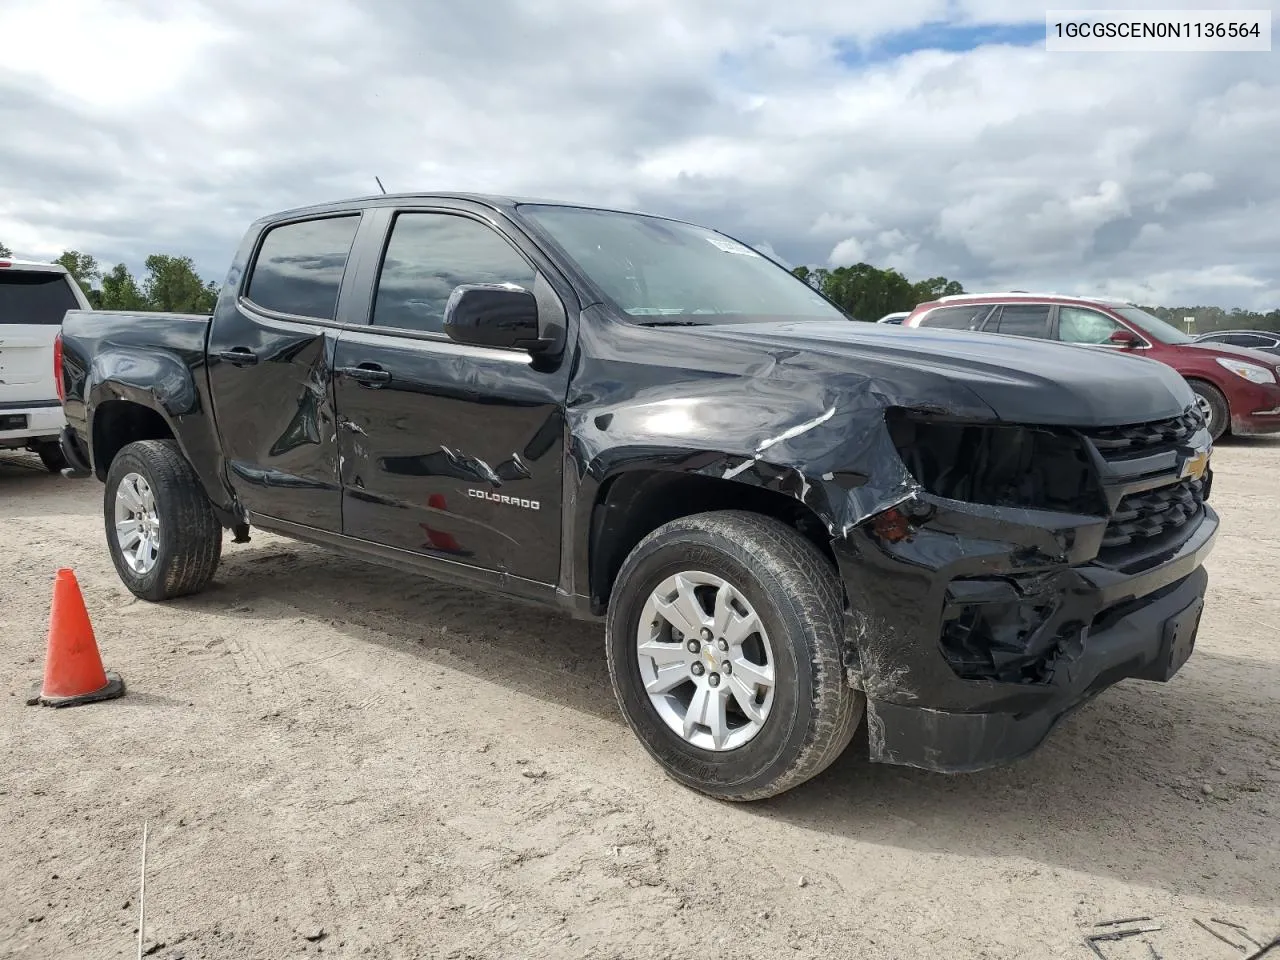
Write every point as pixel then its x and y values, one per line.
pixel 380 186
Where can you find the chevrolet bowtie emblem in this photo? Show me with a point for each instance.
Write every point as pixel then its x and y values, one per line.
pixel 1195 466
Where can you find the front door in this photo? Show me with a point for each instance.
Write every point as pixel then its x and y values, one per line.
pixel 270 374
pixel 448 450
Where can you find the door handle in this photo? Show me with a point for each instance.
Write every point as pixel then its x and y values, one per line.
pixel 239 356
pixel 367 374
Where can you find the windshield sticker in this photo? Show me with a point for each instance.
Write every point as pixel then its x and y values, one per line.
pixel 728 246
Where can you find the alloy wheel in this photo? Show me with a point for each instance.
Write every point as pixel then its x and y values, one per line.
pixel 137 523
pixel 706 661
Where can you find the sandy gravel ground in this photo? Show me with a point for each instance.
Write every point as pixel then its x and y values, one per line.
pixel 339 759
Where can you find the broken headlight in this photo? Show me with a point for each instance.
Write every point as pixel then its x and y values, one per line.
pixel 1040 468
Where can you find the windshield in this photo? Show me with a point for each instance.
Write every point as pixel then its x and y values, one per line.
pixel 1153 326
pixel 659 270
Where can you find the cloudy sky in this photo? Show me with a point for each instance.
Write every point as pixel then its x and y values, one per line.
pixel 934 136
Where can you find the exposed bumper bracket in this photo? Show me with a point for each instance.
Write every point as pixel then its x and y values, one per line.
pixel 1150 644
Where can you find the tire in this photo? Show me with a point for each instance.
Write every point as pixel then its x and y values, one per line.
pixel 812 713
pixel 1214 406
pixel 189 538
pixel 50 455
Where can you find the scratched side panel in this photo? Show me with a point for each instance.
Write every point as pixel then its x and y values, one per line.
pixel 458 456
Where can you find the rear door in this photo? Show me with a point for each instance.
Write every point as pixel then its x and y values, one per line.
pixel 449 450
pixel 270 371
pixel 1020 320
pixel 32 304
pixel 961 317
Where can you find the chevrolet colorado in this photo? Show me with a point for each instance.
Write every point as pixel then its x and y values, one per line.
pixel 790 522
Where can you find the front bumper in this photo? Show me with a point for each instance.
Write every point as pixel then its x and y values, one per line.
pixel 1094 625
pixel 1255 408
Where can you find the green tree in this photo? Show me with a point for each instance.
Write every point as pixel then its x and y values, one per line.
pixel 120 291
pixel 868 293
pixel 211 291
pixel 85 271
pixel 935 287
pixel 5 251
pixel 82 267
pixel 172 285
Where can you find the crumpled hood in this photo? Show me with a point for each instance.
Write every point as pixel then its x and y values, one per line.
pixel 1021 379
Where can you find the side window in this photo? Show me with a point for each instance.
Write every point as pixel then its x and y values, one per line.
pixel 1022 320
pixel 1077 325
pixel 966 317
pixel 300 265
pixel 1247 340
pixel 431 253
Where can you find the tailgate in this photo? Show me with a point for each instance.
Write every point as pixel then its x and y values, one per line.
pixel 26 363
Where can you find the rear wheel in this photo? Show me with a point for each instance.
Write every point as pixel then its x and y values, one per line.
pixel 164 538
pixel 50 455
pixel 724 646
pixel 1213 406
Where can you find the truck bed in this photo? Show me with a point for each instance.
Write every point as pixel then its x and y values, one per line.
pixel 159 354
pixel 88 333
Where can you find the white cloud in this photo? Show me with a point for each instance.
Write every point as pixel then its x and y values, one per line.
pixel 109 56
pixel 847 252
pixel 171 124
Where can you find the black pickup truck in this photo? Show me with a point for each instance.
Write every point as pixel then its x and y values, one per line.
pixel 788 521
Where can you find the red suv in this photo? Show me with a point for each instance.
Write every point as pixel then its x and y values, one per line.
pixel 1238 389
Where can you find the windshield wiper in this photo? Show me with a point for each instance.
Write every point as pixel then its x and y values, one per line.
pixel 675 323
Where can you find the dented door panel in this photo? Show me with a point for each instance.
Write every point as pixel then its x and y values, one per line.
pixel 275 416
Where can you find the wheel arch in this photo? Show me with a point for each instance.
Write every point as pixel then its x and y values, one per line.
pixel 119 422
pixel 153 395
pixel 631 504
pixel 1193 379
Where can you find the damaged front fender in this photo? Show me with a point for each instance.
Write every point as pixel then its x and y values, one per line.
pixel 784 420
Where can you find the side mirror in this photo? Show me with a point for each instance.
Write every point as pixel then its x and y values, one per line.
pixel 1124 338
pixel 494 315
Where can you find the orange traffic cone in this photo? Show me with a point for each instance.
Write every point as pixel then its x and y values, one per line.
pixel 73 671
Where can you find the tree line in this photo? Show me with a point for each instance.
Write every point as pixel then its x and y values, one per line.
pixel 868 293
pixel 1209 319
pixel 170 283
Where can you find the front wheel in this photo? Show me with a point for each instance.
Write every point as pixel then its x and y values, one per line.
pixel 724 647
pixel 164 537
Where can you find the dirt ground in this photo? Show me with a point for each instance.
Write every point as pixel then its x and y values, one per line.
pixel 340 759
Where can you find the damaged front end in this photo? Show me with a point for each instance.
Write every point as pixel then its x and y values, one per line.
pixel 1006 550
pixel 1033 567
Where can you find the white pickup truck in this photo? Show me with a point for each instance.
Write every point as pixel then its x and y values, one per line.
pixel 33 299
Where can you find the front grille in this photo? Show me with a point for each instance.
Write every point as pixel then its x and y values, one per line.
pixel 1147 519
pixel 1116 443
